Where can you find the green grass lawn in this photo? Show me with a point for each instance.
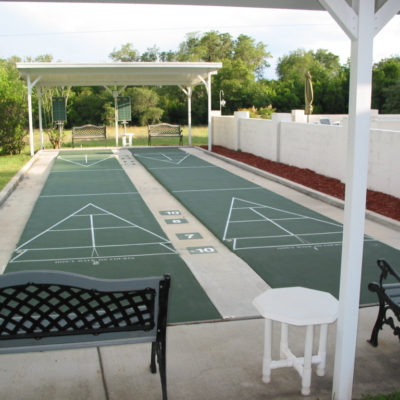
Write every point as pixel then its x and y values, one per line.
pixel 10 165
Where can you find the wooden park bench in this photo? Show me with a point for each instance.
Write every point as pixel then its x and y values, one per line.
pixel 51 310
pixel 86 132
pixel 165 130
pixel 389 300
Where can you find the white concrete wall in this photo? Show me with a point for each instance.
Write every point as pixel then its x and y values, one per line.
pixel 387 122
pixel 223 129
pixel 384 162
pixel 321 148
pixel 258 136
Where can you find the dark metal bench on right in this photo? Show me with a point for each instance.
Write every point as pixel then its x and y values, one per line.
pixel 165 130
pixel 389 300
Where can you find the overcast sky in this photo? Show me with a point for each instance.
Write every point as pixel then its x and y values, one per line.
pixel 90 32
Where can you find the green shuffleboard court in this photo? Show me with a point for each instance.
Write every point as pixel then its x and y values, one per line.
pixel 284 242
pixel 89 219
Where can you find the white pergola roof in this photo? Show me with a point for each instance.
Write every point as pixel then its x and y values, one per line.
pixel 116 73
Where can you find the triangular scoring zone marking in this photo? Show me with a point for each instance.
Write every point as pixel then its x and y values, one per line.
pixel 91 210
pixel 240 204
pixel 164 157
pixel 86 164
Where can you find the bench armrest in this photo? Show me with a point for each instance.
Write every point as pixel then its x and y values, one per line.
pixel 386 269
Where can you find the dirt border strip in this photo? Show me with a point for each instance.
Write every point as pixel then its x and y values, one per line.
pixel 380 219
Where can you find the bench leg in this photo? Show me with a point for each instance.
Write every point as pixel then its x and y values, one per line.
pixel 158 350
pixel 181 141
pixel 378 325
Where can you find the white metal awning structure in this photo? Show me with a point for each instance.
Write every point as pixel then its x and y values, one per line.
pixel 115 77
pixel 361 20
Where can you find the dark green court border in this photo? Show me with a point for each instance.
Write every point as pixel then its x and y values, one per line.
pixel 104 188
pixel 207 191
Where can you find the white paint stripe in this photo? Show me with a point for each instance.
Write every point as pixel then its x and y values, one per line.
pixel 215 190
pixel 227 220
pixel 99 247
pixel 280 227
pixel 85 170
pixel 58 223
pixel 89 194
pixel 92 230
pixel 212 166
pixel 91 258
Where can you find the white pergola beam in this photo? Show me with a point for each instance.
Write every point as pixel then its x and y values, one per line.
pixel 385 14
pixel 344 15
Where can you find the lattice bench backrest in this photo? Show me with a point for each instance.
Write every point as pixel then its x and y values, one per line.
pixel 165 129
pixel 89 130
pixel 49 303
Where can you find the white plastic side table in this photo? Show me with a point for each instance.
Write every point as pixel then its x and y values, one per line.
pixel 126 136
pixel 301 307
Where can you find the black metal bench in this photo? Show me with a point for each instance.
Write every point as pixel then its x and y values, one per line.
pixel 165 130
pixel 88 132
pixel 51 310
pixel 389 299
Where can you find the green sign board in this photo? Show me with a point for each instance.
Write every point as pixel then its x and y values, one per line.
pixel 124 108
pixel 59 109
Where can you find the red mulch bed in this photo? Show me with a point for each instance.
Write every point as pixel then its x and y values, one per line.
pixel 378 202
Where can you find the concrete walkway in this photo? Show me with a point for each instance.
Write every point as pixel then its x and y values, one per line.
pixel 205 361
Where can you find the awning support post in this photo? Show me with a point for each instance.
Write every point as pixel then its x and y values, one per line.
pixel 189 92
pixel 40 94
pixel 30 118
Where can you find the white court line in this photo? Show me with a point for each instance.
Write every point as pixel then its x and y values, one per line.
pixel 272 219
pixel 99 208
pixel 215 190
pixel 86 166
pixel 163 160
pixel 291 245
pixel 96 229
pixel 280 227
pixel 284 211
pixel 88 194
pixel 94 258
pixel 281 236
pixel 227 220
pixel 86 170
pixel 99 247
pixel 211 166
pixel 166 156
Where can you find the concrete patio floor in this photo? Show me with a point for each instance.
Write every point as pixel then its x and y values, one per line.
pixel 219 360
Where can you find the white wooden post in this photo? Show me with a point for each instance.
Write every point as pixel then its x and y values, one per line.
pixel 115 94
pixel 31 142
pixel 209 112
pixel 356 188
pixel 190 91
pixel 39 92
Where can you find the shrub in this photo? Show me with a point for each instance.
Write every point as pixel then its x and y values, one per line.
pixel 13 110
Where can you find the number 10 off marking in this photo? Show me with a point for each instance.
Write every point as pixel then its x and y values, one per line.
pixel 202 250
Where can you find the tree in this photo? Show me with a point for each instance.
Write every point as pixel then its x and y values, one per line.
pixel 385 74
pixel 152 54
pixel 392 99
pixel 13 110
pixel 144 105
pixel 126 54
pixel 251 53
